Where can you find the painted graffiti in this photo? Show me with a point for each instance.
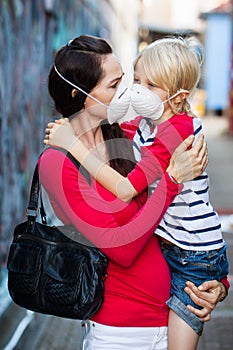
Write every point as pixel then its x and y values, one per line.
pixel 31 31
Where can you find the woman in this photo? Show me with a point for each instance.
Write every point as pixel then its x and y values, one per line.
pixel 134 313
pixel 166 73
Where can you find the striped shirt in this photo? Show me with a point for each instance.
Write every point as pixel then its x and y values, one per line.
pixel 190 222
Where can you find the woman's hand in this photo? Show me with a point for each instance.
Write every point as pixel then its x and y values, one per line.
pixel 60 134
pixel 186 164
pixel 207 295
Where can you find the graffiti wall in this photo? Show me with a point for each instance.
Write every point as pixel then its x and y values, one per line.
pixel 31 31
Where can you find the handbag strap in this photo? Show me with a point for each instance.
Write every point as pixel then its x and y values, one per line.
pixel 32 209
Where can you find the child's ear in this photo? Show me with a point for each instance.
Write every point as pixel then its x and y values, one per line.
pixel 182 96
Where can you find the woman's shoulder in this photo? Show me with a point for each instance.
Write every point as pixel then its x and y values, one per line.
pixel 51 155
pixel 55 154
pixel 54 160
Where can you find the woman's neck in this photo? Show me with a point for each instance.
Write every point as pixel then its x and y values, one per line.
pixel 89 131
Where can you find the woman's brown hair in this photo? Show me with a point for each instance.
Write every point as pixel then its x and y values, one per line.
pixel 80 62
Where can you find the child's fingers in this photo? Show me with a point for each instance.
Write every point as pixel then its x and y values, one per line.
pixel 61 120
pixel 47 131
pixel 50 125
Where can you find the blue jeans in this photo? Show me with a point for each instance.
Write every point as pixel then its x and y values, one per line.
pixel 194 266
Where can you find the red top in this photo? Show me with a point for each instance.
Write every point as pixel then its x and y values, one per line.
pixel 138 282
pixel 156 157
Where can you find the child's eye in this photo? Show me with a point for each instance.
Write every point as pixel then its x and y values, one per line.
pixel 152 85
pixel 136 80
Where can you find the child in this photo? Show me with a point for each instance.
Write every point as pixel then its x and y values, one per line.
pixel 165 75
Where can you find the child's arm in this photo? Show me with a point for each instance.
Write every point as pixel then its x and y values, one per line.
pixel 109 178
pixel 154 162
pixel 61 134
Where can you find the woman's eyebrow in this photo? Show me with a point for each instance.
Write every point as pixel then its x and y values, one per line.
pixel 116 79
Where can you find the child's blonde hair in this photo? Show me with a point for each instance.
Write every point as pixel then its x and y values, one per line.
pixel 173 64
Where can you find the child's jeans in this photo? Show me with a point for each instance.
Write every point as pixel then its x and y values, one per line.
pixel 194 266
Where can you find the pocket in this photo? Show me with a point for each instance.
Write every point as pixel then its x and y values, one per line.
pixel 224 264
pixel 63 275
pixel 219 262
pixel 24 269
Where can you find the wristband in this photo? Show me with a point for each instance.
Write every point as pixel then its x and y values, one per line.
pixel 172 178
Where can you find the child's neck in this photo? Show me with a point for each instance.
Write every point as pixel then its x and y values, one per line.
pixel 164 118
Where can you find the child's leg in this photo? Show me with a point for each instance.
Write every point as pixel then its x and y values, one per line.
pixel 180 335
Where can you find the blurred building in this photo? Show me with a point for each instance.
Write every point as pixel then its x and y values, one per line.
pixel 211 22
pixel 218 45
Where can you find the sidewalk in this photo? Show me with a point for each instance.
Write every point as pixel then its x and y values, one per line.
pixel 218 333
pixel 52 333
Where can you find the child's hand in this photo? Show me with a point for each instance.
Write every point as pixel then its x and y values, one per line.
pixel 60 134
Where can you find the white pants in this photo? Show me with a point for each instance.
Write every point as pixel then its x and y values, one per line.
pixel 99 337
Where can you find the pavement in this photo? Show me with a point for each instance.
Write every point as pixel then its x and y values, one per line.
pixel 22 330
pixel 218 333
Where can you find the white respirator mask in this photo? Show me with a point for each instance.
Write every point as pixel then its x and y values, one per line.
pixel 119 104
pixel 147 103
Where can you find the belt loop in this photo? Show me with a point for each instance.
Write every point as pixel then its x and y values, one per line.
pixel 85 326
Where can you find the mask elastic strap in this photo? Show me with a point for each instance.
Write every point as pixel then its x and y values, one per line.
pixel 78 88
pixel 176 94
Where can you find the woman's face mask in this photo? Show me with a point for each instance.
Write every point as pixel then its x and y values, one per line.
pixel 148 104
pixel 118 106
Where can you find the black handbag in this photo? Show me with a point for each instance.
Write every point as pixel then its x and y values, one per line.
pixel 51 273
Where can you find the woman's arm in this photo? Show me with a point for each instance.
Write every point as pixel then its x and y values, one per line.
pixel 82 206
pixel 61 134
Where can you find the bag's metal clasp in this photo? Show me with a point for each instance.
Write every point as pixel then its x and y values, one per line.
pixel 31 212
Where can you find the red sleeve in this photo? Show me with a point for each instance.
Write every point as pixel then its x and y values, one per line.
pixel 90 214
pixel 155 158
pixel 226 283
pixel 130 127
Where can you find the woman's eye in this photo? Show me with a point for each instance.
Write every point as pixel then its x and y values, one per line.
pixel 114 86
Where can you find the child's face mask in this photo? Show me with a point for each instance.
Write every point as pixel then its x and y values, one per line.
pixel 147 103
pixel 118 106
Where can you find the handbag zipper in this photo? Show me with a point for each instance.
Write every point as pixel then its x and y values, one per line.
pixel 43 240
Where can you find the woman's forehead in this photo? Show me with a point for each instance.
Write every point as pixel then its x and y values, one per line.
pixel 111 68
